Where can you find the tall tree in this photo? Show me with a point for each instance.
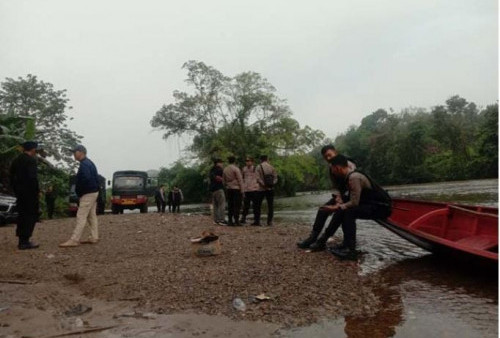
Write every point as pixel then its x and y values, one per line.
pixel 487 141
pixel 239 115
pixel 30 97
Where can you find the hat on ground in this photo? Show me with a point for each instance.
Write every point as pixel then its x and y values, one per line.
pixel 28 145
pixel 79 147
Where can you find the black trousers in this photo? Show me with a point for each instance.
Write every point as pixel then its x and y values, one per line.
pixel 160 205
pixel 176 206
pixel 233 205
pixel 347 218
pixel 50 208
pixel 269 196
pixel 28 214
pixel 321 217
pixel 250 198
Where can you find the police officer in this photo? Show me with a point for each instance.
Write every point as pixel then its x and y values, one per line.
pixel 24 182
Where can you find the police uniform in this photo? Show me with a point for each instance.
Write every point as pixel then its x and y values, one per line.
pixel 24 181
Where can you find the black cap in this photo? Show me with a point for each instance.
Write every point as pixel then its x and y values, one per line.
pixel 28 145
pixel 79 147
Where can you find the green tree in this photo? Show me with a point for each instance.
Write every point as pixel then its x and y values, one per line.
pixel 487 142
pixel 13 131
pixel 293 172
pixel 30 97
pixel 189 179
pixel 240 115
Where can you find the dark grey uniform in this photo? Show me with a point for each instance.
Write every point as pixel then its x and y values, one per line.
pixel 24 182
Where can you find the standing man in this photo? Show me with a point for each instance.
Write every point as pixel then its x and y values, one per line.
pixel 328 152
pixel 251 188
pixel 217 189
pixel 267 179
pixel 365 200
pixel 87 189
pixel 177 198
pixel 50 200
pixel 24 182
pixel 160 199
pixel 233 181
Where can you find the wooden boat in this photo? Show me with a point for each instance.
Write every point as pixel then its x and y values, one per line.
pixel 446 228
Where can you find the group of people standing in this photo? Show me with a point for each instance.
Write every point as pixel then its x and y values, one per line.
pixel 24 182
pixel 355 195
pixel 248 186
pixel 173 199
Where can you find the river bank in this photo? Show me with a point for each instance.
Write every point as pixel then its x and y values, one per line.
pixel 141 280
pixel 146 261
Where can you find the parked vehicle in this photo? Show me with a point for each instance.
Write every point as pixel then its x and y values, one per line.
pixel 8 210
pixel 73 198
pixel 130 190
pixel 445 228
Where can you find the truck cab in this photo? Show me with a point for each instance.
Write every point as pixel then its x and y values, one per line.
pixel 130 190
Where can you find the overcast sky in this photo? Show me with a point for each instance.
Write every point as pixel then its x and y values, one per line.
pixel 333 61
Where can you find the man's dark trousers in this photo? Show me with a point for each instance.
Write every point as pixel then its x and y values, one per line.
pixel 250 197
pixel 233 205
pixel 269 196
pixel 347 218
pixel 28 213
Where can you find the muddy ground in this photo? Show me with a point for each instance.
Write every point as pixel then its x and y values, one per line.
pixel 142 279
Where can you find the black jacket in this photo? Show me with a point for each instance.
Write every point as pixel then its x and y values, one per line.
pixel 24 182
pixel 24 176
pixel 215 184
pixel 87 180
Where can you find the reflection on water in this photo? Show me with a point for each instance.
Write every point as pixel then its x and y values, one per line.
pixel 420 295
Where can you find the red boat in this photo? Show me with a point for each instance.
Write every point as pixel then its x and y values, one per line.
pixel 446 228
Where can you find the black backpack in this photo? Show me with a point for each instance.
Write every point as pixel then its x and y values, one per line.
pixel 377 195
pixel 268 178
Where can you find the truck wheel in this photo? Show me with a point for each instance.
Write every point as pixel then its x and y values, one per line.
pixel 144 209
pixel 115 210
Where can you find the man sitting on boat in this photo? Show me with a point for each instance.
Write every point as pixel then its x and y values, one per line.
pixel 364 199
pixel 338 184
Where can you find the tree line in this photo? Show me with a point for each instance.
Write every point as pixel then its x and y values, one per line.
pixel 243 116
pixel 453 141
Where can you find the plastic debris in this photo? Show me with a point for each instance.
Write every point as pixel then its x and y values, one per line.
pixel 239 305
pixel 262 297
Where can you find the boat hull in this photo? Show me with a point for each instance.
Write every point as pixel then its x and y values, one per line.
pixel 446 228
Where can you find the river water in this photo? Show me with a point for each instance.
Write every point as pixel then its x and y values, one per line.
pixel 422 295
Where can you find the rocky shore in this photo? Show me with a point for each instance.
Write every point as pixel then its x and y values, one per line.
pixel 143 269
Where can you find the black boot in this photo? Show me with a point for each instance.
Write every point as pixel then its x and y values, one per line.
pixel 309 240
pixel 346 253
pixel 25 244
pixel 320 244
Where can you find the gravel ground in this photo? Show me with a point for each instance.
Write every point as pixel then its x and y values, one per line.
pixel 145 260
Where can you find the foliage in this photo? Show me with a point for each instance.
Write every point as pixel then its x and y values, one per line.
pixel 295 171
pixel 59 180
pixel 239 116
pixel 451 142
pixel 33 98
pixel 189 179
pixel 33 110
pixel 454 141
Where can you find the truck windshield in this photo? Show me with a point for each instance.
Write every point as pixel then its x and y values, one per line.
pixel 125 182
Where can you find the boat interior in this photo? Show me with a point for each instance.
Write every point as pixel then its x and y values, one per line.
pixel 473 227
